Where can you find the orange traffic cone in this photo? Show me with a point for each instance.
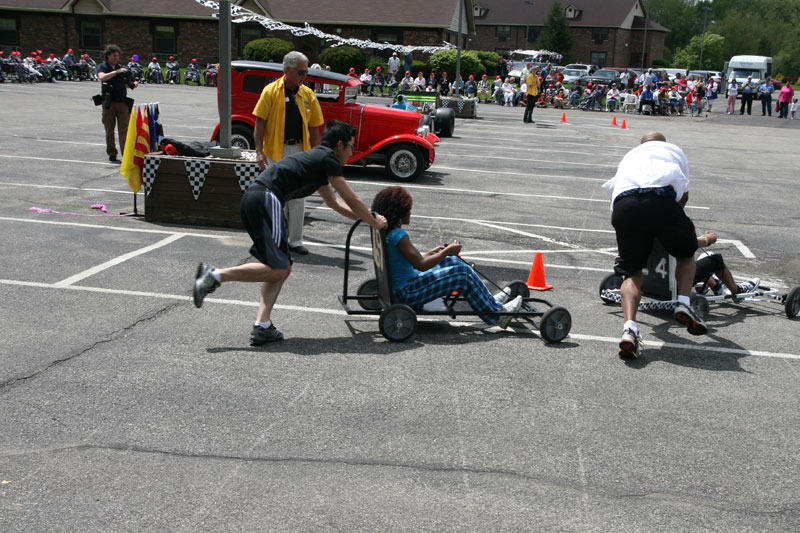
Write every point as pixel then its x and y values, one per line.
pixel 614 122
pixel 563 117
pixel 536 279
pixel 624 127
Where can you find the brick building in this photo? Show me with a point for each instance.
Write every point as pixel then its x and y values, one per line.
pixel 606 32
pixel 186 29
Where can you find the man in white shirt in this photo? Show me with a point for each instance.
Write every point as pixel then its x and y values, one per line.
pixel 648 194
pixel 394 64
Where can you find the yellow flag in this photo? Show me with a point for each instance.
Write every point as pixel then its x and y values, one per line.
pixel 128 169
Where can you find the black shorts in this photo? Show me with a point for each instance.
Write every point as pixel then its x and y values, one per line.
pixel 262 216
pixel 640 218
pixel 707 265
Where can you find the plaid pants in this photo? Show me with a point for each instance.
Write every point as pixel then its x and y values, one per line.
pixel 450 275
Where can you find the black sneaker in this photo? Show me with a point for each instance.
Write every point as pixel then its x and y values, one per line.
pixel 204 283
pixel 260 335
pixel 630 346
pixel 686 316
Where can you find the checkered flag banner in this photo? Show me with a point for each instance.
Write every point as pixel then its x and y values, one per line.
pixel 460 102
pixel 197 170
pixel 445 102
pixel 149 172
pixel 247 174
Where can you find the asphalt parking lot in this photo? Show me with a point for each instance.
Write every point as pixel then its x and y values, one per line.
pixel 124 408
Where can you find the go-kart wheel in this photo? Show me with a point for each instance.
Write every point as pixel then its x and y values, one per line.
pixel 699 305
pixel 519 288
pixel 555 324
pixel 792 306
pixel 369 288
pixel 610 283
pixel 397 322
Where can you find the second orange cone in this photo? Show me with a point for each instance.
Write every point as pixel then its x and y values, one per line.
pixel 624 127
pixel 614 122
pixel 536 279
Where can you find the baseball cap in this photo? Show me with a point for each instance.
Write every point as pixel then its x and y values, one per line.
pixel 155 59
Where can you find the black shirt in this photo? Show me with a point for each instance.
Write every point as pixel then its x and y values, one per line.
pixel 300 175
pixel 293 123
pixel 118 83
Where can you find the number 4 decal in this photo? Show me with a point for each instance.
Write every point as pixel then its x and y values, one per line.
pixel 661 268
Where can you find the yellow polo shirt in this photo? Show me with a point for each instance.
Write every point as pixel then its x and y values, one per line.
pixel 271 107
pixel 532 84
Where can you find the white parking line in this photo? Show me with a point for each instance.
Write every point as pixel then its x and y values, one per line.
pixel 116 261
pixel 562 163
pixel 338 312
pixel 52 159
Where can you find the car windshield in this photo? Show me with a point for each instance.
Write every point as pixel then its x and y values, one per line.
pixel 610 74
pixel 744 72
pixel 573 72
pixel 578 67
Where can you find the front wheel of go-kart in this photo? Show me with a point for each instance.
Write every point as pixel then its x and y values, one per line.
pixel 555 324
pixel 404 162
pixel 397 322
pixel 518 288
pixel 792 306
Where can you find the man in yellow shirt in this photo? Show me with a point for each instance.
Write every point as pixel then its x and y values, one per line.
pixel 531 94
pixel 288 117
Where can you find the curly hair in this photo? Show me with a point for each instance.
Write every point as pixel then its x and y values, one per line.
pixel 394 203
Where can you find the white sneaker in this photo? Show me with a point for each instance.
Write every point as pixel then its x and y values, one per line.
pixel 747 286
pixel 630 346
pixel 503 295
pixel 510 307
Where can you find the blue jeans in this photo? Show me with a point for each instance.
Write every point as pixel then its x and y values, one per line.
pixel 450 275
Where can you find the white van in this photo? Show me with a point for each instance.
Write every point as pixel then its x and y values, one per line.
pixel 740 67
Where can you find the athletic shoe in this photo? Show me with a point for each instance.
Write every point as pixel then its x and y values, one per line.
pixel 261 335
pixel 502 296
pixel 686 316
pixel 204 283
pixel 630 346
pixel 509 307
pixel 745 287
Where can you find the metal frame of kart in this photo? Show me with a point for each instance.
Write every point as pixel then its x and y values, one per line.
pixel 398 322
pixel 659 288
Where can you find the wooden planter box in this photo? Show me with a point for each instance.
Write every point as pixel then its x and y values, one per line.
pixel 170 197
pixel 468 109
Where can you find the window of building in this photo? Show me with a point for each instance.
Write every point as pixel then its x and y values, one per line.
pixel 598 58
pixel 246 35
pixel 385 35
pixel 503 32
pixel 8 31
pixel 91 35
pixel 533 33
pixel 164 39
pixel 599 35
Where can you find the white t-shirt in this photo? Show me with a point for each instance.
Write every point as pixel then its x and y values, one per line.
pixel 652 164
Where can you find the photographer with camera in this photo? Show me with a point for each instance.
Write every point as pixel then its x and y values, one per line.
pixel 117 106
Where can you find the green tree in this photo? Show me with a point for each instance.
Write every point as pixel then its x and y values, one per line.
pixel 556 36
pixel 445 61
pixel 713 53
pixel 267 50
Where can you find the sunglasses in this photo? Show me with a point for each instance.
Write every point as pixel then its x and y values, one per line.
pixel 301 72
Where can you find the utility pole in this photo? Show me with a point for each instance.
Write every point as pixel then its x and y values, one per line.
pixel 224 76
pixel 644 42
pixel 528 26
pixel 458 53
pixel 705 9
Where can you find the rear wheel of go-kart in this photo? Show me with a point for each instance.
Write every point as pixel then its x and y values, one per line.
pixel 555 324
pixel 610 282
pixel 369 288
pixel 518 288
pixel 397 322
pixel 792 306
pixel 699 305
pixel 404 162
